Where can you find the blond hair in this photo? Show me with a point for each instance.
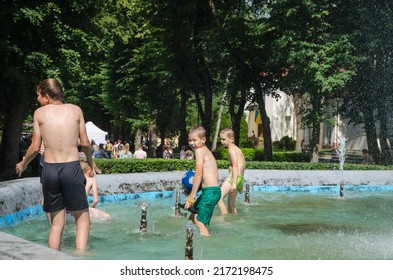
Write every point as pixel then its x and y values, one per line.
pixel 198 130
pixel 127 148
pixel 228 132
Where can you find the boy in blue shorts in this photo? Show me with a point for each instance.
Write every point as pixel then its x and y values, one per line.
pixel 206 173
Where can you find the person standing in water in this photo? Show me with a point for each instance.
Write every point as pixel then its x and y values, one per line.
pixel 206 173
pixel 62 127
pixel 237 164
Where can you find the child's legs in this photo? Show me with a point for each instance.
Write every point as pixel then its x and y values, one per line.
pixel 42 203
pixel 202 228
pixel 225 189
pixel 58 219
pixel 231 202
pixel 82 220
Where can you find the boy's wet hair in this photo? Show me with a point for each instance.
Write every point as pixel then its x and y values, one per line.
pixel 198 130
pixel 229 132
pixel 52 88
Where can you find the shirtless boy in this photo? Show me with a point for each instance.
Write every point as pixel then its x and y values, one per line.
pixel 61 126
pixel 206 173
pixel 234 183
pixel 96 215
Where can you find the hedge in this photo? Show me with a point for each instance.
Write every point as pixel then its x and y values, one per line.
pixel 113 166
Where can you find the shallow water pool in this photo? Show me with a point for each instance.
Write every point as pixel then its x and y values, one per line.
pixel 283 223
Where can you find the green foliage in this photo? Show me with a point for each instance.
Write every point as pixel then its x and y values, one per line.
pixel 257 154
pixel 243 141
pixel 285 144
pixel 146 165
pixel 125 61
pixel 116 166
pixel 221 153
pixel 249 153
pixel 290 157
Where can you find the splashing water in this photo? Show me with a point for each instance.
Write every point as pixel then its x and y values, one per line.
pixel 296 223
pixel 341 151
pixel 341 156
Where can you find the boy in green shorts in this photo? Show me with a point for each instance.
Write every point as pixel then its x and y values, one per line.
pixel 237 164
pixel 206 173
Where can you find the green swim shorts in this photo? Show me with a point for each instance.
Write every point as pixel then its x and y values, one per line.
pixel 206 203
pixel 239 182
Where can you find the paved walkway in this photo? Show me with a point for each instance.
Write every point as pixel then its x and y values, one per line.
pixel 15 248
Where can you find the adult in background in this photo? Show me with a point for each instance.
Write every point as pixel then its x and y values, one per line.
pixel 367 158
pixel 140 153
pixel 61 126
pixel 126 153
pixel 108 149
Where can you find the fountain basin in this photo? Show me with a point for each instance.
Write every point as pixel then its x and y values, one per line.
pixel 160 188
pixel 18 195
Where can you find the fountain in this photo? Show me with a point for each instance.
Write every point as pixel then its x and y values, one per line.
pixel 144 206
pixel 189 249
pixel 247 194
pixel 341 156
pixel 293 215
pixel 177 207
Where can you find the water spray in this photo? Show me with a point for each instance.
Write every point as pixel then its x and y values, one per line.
pixel 341 156
pixel 189 249
pixel 247 194
pixel 341 189
pixel 143 226
pixel 177 207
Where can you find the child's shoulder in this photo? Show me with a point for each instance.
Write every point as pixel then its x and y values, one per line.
pixel 233 147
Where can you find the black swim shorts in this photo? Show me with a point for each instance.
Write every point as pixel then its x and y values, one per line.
pixel 64 186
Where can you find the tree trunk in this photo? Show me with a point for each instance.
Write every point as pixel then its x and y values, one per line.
pixel 222 103
pixel 183 139
pixel 137 139
pixel 217 131
pixel 204 80
pixel 208 96
pixel 371 133
pixel 12 131
pixel 386 155
pixel 153 136
pixel 236 116
pixel 299 129
pixel 266 132
pixel 316 126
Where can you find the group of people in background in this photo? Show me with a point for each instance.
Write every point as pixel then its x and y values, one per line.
pixel 118 150
pixel 122 150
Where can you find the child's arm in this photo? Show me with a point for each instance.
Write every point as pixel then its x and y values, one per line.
pixel 197 178
pixel 234 168
pixel 95 192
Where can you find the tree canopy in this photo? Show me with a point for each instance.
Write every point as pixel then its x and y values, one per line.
pixel 161 66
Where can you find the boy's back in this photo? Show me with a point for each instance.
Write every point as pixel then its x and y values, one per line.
pixel 235 152
pixel 60 134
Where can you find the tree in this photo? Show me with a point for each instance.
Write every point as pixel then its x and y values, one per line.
pixel 241 26
pixel 312 54
pixel 371 26
pixel 40 39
